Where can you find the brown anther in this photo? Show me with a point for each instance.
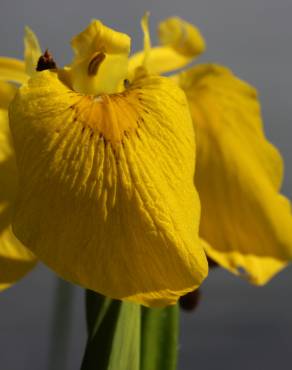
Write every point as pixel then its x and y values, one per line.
pixel 94 64
pixel 46 61
pixel 190 301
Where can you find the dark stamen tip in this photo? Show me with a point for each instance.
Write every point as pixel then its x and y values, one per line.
pixel 127 83
pixel 46 61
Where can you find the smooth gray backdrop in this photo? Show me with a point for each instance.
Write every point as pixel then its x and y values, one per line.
pixel 237 326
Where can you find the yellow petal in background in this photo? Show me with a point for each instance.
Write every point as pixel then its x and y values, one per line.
pixel 106 187
pixel 7 92
pixel 12 70
pixel 181 42
pixel 245 220
pixel 147 38
pixel 182 36
pixel 15 260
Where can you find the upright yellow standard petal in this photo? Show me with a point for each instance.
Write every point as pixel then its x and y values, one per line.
pixel 245 220
pixel 15 260
pixel 32 51
pixel 180 43
pixel 100 63
pixel 106 187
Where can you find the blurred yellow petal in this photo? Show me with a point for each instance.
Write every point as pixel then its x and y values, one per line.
pixel 15 260
pixel 182 36
pixel 106 187
pixel 12 70
pixel 181 42
pixel 246 222
pixel 32 51
pixel 7 92
pixel 100 63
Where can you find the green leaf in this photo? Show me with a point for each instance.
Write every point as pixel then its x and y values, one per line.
pixel 126 336
pixel 113 334
pixel 159 338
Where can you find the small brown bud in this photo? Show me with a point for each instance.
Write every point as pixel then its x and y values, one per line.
pixel 190 301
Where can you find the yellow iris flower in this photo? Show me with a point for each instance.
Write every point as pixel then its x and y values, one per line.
pixel 106 166
pixel 106 163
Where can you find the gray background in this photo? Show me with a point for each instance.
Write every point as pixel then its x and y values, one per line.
pixel 236 326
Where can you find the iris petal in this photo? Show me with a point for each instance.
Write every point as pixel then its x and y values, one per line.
pixel 12 70
pixel 246 222
pixel 107 197
pixel 106 51
pixel 7 92
pixel 181 42
pixel 32 51
pixel 15 260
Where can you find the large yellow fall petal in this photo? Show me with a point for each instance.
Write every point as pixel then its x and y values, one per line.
pixel 106 187
pixel 181 42
pixel 245 220
pixel 15 260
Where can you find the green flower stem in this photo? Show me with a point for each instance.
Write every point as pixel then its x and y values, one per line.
pixel 159 338
pixel 126 336
pixel 61 325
